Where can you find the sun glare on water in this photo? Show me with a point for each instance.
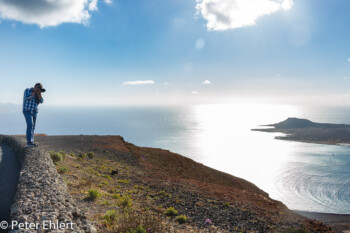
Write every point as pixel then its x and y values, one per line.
pixel 227 143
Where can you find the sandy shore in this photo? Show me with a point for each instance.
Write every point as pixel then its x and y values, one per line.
pixel 338 222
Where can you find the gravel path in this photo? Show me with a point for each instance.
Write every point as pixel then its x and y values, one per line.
pixel 9 175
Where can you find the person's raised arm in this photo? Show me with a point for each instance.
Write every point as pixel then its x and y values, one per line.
pixel 41 99
pixel 28 95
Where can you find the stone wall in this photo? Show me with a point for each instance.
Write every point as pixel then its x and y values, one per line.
pixel 42 199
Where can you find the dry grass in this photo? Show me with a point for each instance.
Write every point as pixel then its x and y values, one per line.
pixel 121 193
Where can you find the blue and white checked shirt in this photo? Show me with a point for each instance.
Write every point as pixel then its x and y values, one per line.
pixel 29 103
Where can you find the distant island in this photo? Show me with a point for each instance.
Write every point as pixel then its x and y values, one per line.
pixel 303 130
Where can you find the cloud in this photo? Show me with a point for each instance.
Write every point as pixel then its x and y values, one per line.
pixel 47 13
pixel 231 14
pixel 206 82
pixel 349 59
pixel 93 5
pixel 194 92
pixel 139 82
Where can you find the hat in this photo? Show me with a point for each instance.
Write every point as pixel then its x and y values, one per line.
pixel 40 86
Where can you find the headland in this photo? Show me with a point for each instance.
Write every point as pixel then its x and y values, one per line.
pixel 303 130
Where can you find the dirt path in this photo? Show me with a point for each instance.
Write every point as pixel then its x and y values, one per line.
pixel 9 175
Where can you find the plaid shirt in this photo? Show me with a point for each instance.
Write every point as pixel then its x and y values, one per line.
pixel 29 103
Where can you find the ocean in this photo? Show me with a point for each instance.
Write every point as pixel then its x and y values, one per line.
pixel 304 176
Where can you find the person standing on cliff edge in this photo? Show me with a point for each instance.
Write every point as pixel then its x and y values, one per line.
pixel 32 98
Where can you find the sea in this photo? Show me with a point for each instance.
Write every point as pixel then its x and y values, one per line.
pixel 304 176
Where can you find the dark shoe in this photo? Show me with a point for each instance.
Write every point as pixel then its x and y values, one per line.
pixel 32 145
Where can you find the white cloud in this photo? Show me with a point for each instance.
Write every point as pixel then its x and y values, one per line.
pixel 108 1
pixel 230 14
pixel 166 83
pixel 206 82
pixel 93 5
pixel 47 13
pixel 349 59
pixel 194 92
pixel 139 82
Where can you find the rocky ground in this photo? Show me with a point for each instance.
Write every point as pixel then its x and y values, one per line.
pixel 160 191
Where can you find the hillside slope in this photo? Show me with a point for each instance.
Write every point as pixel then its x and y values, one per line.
pixel 212 201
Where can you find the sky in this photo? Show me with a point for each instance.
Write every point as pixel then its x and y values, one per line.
pixel 156 52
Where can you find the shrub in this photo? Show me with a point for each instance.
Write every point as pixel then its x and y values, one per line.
pixel 64 155
pixel 110 216
pixel 116 196
pixel 106 202
pixel 171 211
pixel 81 155
pixel 91 155
pixel 62 170
pixel 125 201
pixel 124 181
pixel 181 219
pixel 56 157
pixel 93 194
pixel 107 177
pixel 139 222
pixel 139 229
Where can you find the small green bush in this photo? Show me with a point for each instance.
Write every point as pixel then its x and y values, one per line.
pixel 125 201
pixel 81 155
pixel 139 229
pixel 56 157
pixel 110 216
pixel 116 196
pixel 106 202
pixel 64 155
pixel 93 194
pixel 107 177
pixel 124 181
pixel 171 211
pixel 62 170
pixel 181 219
pixel 91 155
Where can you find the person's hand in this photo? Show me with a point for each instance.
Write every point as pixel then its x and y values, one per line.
pixel 33 93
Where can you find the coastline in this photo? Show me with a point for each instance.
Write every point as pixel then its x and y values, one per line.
pixel 303 130
pixel 338 222
pixel 286 138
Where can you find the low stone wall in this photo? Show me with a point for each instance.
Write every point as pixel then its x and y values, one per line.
pixel 42 199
